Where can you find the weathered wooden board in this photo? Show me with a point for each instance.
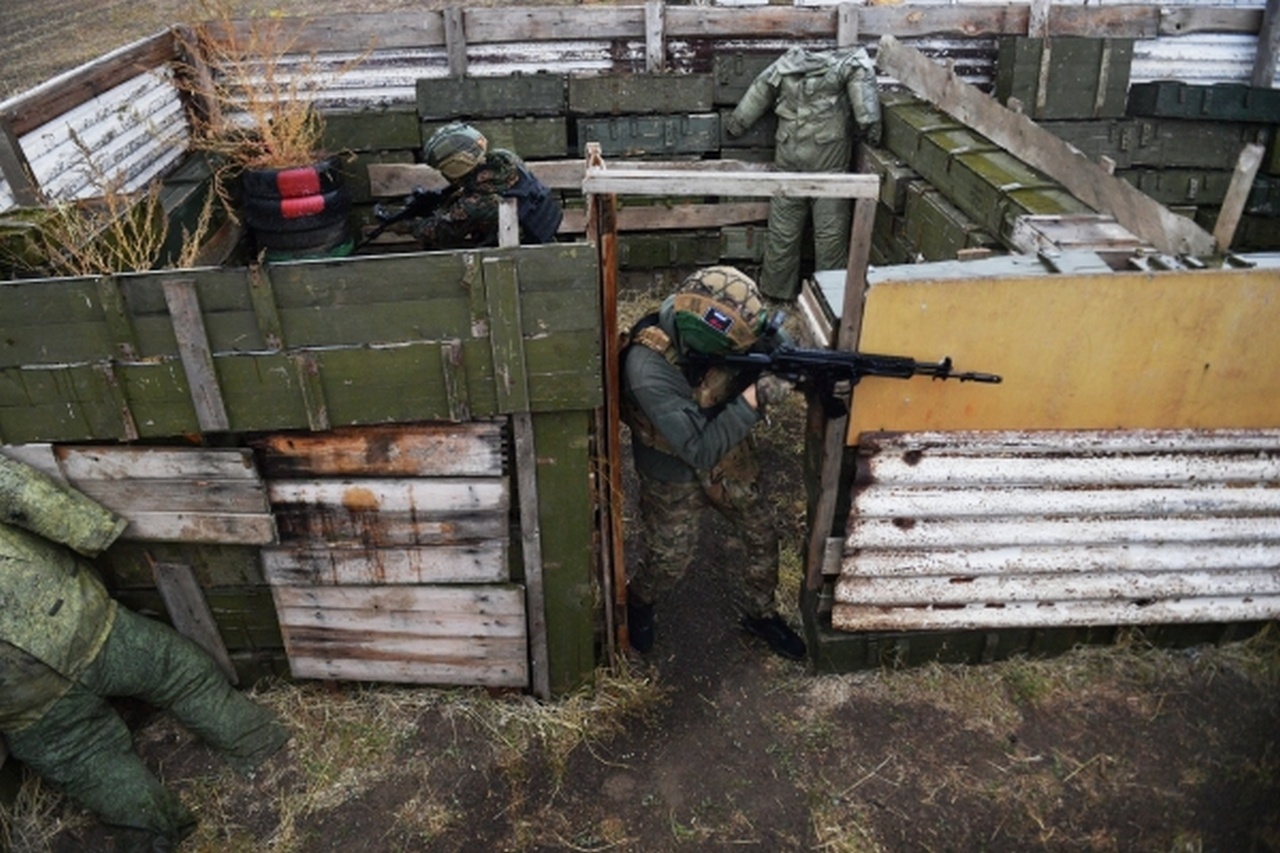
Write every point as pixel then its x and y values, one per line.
pixel 425 634
pixel 480 562
pixel 411 450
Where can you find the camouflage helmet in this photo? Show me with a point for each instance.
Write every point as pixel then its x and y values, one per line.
pixel 719 309
pixel 455 150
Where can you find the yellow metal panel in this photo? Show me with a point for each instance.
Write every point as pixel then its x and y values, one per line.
pixel 1198 350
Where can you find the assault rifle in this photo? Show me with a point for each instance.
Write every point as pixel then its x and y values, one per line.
pixel 823 370
pixel 422 202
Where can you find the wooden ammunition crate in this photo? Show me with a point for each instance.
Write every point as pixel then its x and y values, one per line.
pixel 1065 77
pixel 529 136
pixel 640 93
pixel 937 229
pixel 1162 143
pixel 492 97
pixel 642 136
pixel 1219 102
pixel 735 72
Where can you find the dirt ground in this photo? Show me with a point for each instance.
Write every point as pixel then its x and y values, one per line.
pixel 712 743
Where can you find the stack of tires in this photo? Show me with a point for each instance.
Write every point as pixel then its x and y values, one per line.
pixel 302 212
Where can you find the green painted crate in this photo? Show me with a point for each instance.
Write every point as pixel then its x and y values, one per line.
pixel 531 137
pixel 492 97
pixel 937 229
pixel 652 136
pixel 1064 77
pixel 616 94
pixel 1218 102
pixel 1162 143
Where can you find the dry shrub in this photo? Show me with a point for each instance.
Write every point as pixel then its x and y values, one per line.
pixel 254 89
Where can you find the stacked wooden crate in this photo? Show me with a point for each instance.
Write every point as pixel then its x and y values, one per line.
pixel 1179 144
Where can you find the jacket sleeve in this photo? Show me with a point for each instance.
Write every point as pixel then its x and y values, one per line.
pixel 756 101
pixel 698 437
pixel 36 502
pixel 864 97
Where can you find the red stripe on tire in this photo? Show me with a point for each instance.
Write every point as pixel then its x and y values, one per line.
pixel 309 205
pixel 297 183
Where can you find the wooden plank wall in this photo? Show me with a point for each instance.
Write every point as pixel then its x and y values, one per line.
pixel 392 563
pixel 307 345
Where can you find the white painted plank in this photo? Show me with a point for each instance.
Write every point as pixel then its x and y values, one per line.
pixel 506 600
pixel 1122 556
pixel 1084 469
pixel 938 502
pixel 1066 586
pixel 764 184
pixel 201 528
pixel 846 617
pixel 509 673
pixel 105 463
pixel 436 495
pixel 479 563
pixel 445 450
pixel 902 533
pixel 415 622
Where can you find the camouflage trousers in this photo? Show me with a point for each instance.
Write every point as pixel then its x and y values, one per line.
pixel 83 746
pixel 832 217
pixel 671 516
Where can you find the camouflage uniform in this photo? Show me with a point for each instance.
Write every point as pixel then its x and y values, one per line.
pixel 65 644
pixel 693 450
pixel 468 216
pixel 818 97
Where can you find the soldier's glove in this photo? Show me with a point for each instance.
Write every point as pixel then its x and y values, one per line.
pixel 771 390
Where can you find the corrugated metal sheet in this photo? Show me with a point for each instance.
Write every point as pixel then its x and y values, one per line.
pixel 128 134
pixel 1043 529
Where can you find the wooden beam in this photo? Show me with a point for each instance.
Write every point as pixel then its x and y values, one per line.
pixel 15 169
pixel 190 614
pixel 655 36
pixel 196 354
pixel 764 184
pixel 1038 20
pixel 847 25
pixel 834 430
pixel 1237 195
pixel 1264 64
pixel 1042 150
pixel 455 39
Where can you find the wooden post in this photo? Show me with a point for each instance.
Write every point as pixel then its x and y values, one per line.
pixel 1038 21
pixel 189 611
pixel 455 40
pixel 196 354
pixel 847 25
pixel 655 37
pixel 1237 195
pixel 835 429
pixel 15 169
pixel 525 457
pixel 602 230
pixel 1264 64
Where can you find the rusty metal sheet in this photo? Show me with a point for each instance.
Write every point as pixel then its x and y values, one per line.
pixel 1057 528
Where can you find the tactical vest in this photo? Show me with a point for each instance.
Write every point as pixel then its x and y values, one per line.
pixel 710 390
pixel 539 214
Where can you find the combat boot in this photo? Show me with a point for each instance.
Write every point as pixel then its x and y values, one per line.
pixel 777 634
pixel 639 623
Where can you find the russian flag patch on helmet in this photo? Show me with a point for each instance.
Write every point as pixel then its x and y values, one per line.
pixel 718 320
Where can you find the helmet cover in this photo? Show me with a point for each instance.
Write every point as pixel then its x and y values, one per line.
pixel 718 309
pixel 455 150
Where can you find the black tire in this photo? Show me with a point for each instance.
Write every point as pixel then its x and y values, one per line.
pixel 314 240
pixel 266 215
pixel 268 211
pixel 318 178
